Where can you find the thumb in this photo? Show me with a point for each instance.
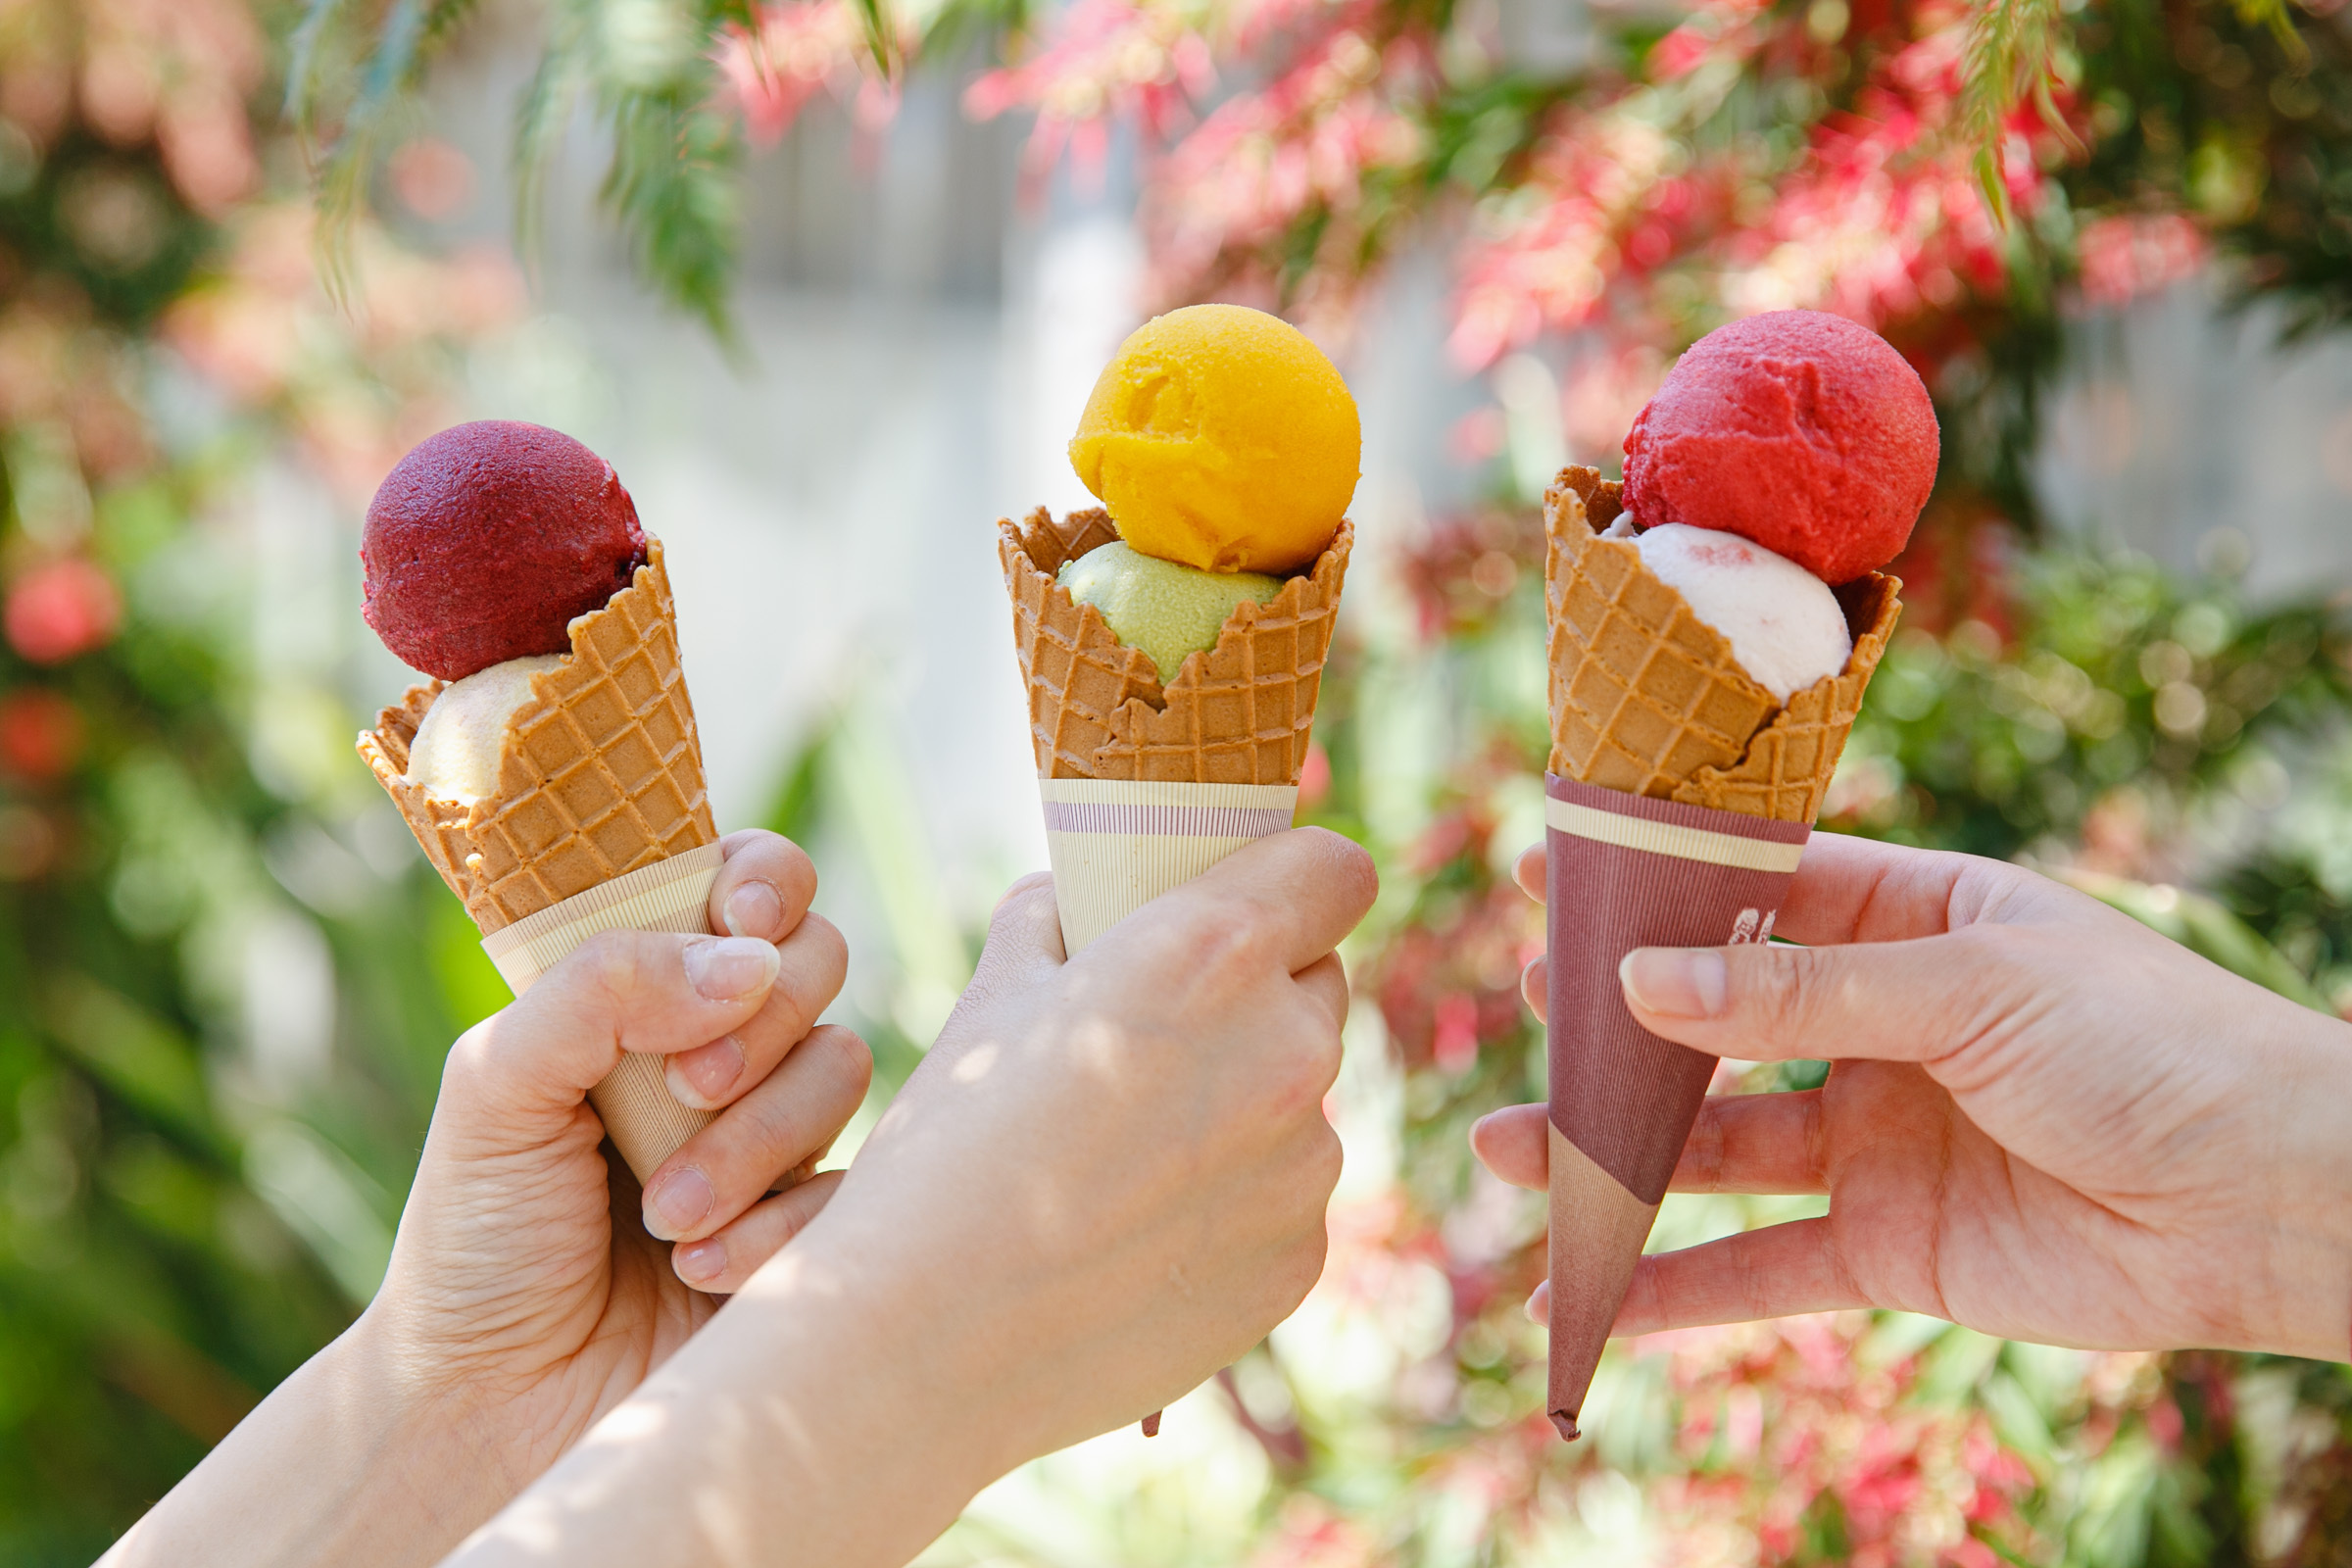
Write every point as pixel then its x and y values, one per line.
pixel 644 991
pixel 1024 940
pixel 1920 1001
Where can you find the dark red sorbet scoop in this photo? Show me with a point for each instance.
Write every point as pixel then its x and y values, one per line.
pixel 485 541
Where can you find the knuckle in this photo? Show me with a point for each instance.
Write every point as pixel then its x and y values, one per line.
pixel 1327 1163
pixel 1994 962
pixel 826 940
pixel 761 851
pixel 1302 1266
pixel 794 864
pixel 472 1051
pixel 1784 989
pixel 612 967
pixel 1018 897
pixel 1351 869
pixel 1303 1071
pixel 846 1053
pixel 1998 947
pixel 1703 1154
pixel 1227 940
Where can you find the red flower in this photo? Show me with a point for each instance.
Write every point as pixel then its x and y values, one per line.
pixel 62 608
pixel 40 734
pixel 1314 779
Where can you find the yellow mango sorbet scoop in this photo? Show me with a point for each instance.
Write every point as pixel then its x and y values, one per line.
pixel 1221 438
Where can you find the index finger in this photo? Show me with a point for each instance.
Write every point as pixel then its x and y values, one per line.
pixel 764 887
pixel 1299 892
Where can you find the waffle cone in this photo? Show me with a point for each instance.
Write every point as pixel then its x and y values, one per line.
pixel 1649 699
pixel 602 771
pixel 1237 713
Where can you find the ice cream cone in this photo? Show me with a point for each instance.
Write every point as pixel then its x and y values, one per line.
pixel 600 780
pixel 1681 794
pixel 1146 786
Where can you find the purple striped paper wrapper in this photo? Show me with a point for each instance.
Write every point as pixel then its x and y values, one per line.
pixel 1118 844
pixel 1625 872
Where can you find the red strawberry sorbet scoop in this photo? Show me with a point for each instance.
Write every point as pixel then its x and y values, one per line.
pixel 485 541
pixel 1800 430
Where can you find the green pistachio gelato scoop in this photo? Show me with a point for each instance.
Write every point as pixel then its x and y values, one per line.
pixel 1164 608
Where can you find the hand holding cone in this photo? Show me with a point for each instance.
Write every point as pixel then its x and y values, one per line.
pixel 1222 441
pixel 1700 857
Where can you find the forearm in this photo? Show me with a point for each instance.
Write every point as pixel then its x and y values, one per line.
pixel 817 1420
pixel 348 1462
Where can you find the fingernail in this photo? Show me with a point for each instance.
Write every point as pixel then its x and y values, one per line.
pixel 730 966
pixel 706 1072
pixel 1674 982
pixel 703 1261
pixel 678 1204
pixel 754 910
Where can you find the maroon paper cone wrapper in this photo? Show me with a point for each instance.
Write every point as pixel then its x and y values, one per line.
pixel 1626 871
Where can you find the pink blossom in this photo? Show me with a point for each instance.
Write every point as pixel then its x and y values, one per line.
pixel 2125 255
pixel 62 608
pixel 1103 59
pixel 799 49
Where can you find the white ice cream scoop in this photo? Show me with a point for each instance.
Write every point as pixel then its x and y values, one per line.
pixel 454 754
pixel 1783 622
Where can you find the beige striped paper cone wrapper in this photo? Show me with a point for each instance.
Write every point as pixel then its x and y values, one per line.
pixel 1145 787
pixel 1678 799
pixel 599 822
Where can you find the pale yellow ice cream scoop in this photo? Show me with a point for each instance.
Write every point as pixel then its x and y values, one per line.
pixel 454 754
pixel 1220 437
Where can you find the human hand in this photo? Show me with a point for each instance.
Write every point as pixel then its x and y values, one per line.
pixel 1121 1160
pixel 2042 1120
pixel 525 1297
pixel 531 1285
pixel 1105 1181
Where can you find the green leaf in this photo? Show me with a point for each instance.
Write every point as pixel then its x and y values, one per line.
pixel 2011 59
pixel 881 37
pixel 137 1056
pixel 673 186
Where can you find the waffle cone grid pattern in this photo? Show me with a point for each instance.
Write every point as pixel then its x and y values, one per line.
pixel 1649 699
pixel 601 771
pixel 1238 713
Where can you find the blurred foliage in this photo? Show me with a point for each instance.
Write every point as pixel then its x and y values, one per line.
pixel 643 70
pixel 224 991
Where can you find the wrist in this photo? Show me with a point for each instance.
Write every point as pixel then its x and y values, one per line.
pixel 421 1459
pixel 942 1410
pixel 2311 1185
pixel 812 1415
